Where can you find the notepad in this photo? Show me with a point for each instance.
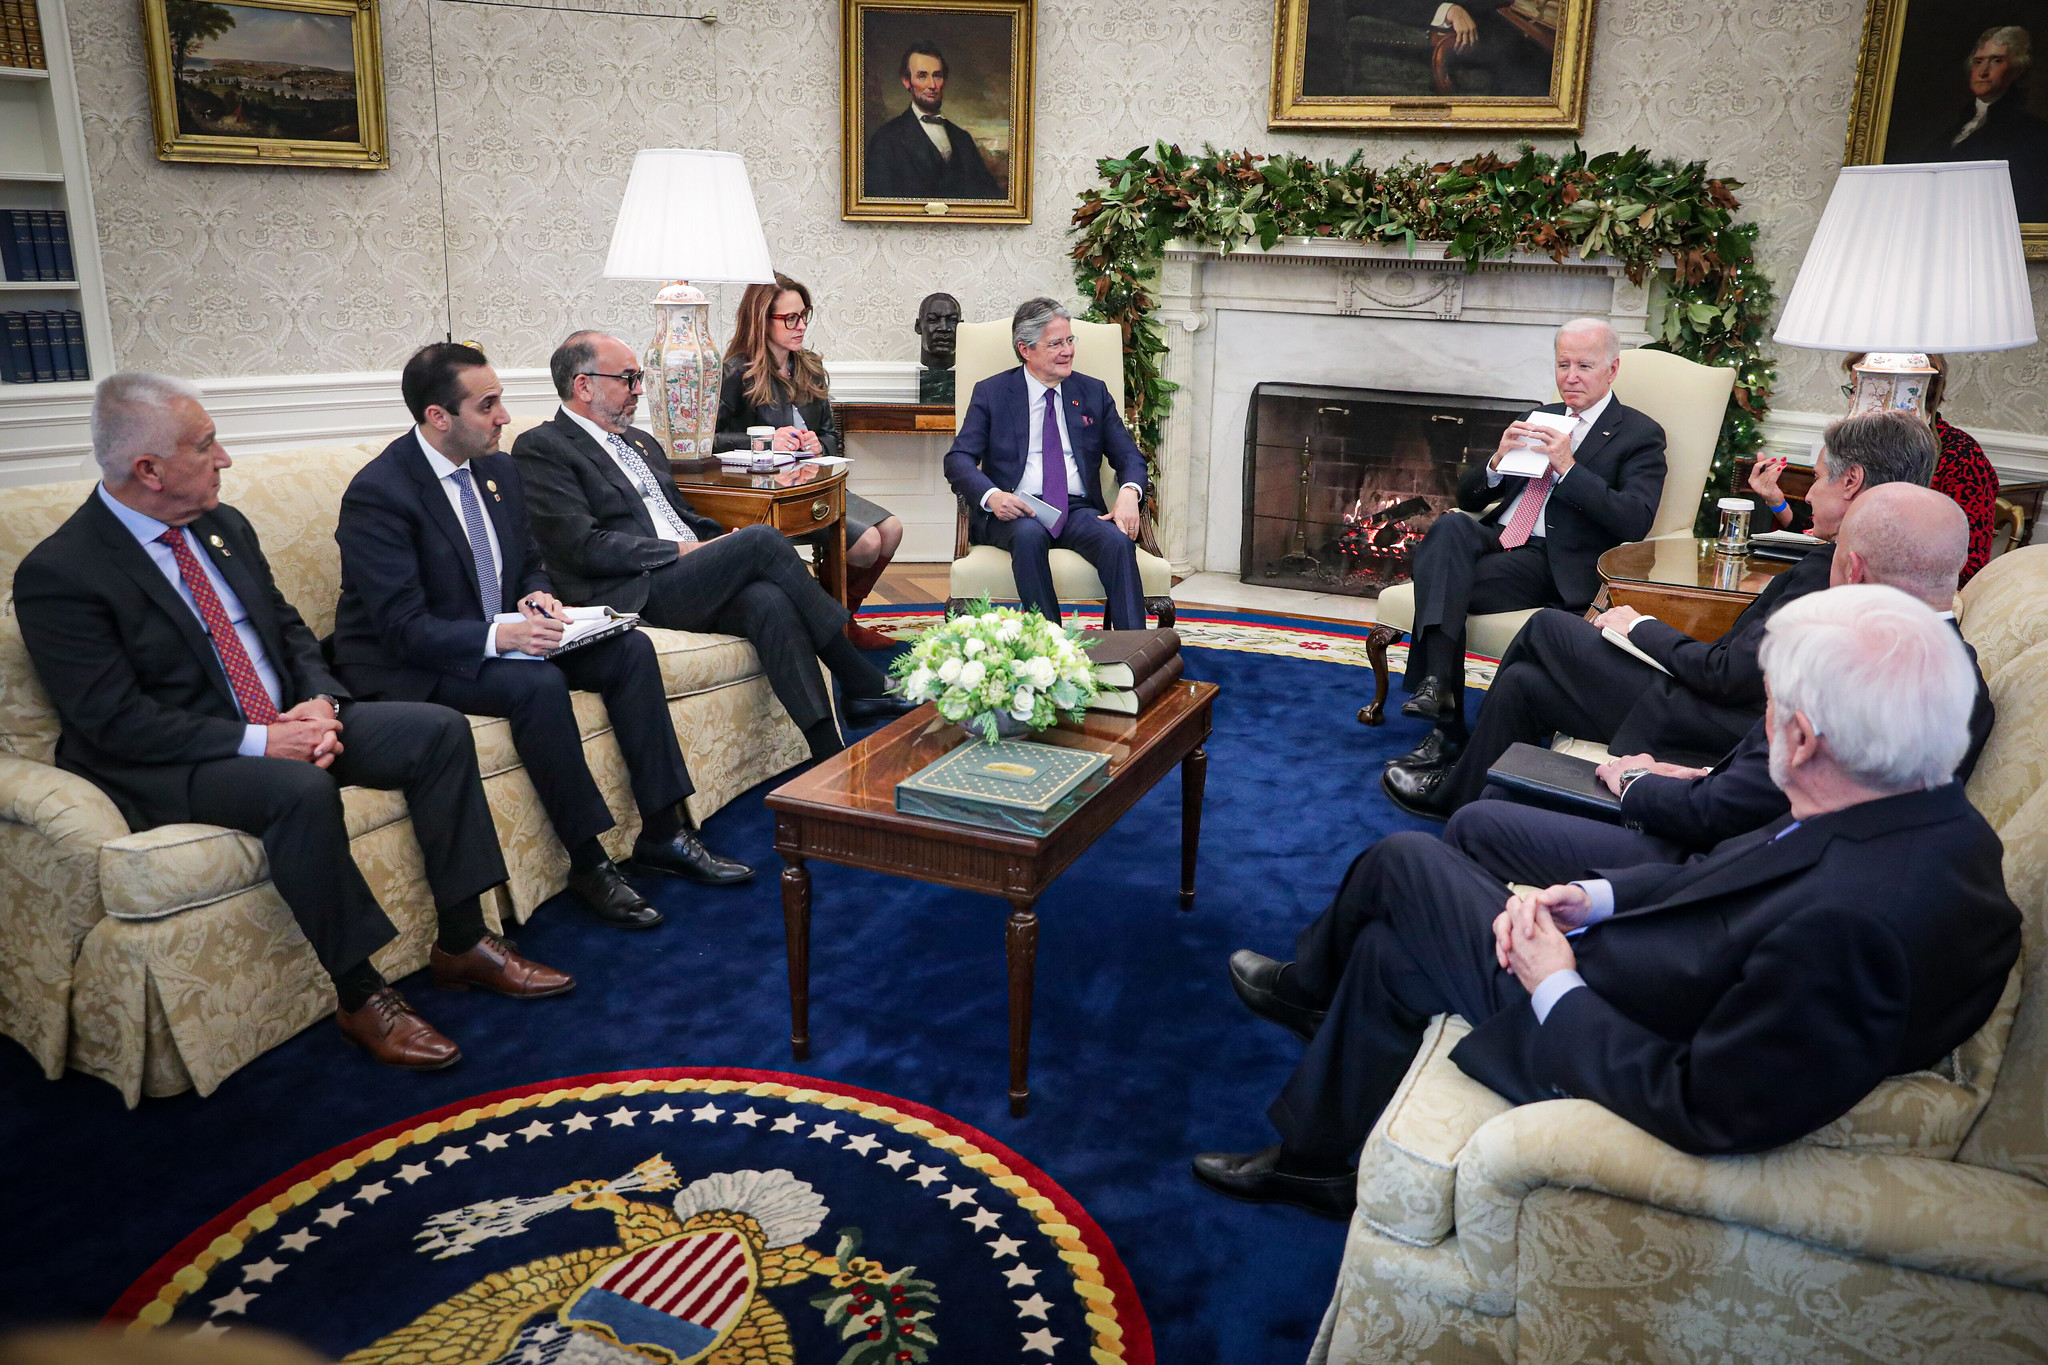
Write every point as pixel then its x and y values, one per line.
pixel 1621 642
pixel 586 626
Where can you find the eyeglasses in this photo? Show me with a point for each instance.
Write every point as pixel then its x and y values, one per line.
pixel 791 320
pixel 1065 345
pixel 632 379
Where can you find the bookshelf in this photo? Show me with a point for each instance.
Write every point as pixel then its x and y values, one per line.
pixel 42 166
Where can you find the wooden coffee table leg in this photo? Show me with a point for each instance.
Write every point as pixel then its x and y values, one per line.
pixel 1021 945
pixel 796 927
pixel 1194 773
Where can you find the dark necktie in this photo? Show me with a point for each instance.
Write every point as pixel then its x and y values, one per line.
pixel 487 585
pixel 257 707
pixel 1052 462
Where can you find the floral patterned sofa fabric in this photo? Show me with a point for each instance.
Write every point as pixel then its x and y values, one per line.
pixel 163 960
pixel 1913 1228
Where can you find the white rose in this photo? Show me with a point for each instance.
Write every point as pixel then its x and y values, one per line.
pixel 1041 672
pixel 949 671
pixel 971 673
pixel 918 684
pixel 973 647
pixel 1022 703
pixel 1009 630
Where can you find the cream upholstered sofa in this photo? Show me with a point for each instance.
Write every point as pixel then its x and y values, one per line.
pixel 1686 399
pixel 164 960
pixel 1913 1229
pixel 984 571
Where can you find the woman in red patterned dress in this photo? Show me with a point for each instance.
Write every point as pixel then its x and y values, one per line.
pixel 1962 473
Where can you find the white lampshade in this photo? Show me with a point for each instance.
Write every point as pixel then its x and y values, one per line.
pixel 1922 258
pixel 688 215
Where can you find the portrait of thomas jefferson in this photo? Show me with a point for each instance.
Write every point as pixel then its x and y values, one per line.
pixel 1966 91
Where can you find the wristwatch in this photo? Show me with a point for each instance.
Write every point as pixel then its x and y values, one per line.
pixel 332 704
pixel 1629 775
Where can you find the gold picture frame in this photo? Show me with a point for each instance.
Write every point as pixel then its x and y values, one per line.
pixel 972 61
pixel 267 82
pixel 1393 68
pixel 1898 112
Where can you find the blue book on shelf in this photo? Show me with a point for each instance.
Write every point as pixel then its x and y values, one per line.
pixel 43 364
pixel 39 233
pixel 74 342
pixel 17 245
pixel 1014 786
pixel 15 367
pixel 60 246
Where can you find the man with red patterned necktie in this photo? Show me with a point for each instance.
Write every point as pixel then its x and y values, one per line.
pixel 1540 543
pixel 190 690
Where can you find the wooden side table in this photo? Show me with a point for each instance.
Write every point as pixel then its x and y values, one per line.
pixel 733 500
pixel 931 419
pixel 1682 582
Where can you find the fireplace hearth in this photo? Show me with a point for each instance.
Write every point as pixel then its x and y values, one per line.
pixel 1340 483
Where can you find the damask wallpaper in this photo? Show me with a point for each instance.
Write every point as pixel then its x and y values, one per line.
pixel 217 271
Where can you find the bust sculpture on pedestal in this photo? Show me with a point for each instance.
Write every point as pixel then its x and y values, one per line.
pixel 938 322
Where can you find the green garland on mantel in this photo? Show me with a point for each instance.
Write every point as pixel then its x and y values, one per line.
pixel 1651 215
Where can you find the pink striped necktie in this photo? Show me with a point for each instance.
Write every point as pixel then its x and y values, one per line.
pixel 1528 507
pixel 257 707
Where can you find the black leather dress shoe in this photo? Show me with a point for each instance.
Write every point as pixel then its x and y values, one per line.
pixel 1256 979
pixel 868 710
pixel 1432 701
pixel 685 856
pixel 1437 750
pixel 1256 1178
pixel 607 894
pixel 1419 791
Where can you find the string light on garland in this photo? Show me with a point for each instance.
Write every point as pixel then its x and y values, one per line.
pixel 1657 217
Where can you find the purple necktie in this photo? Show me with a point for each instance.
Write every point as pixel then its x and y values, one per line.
pixel 1052 463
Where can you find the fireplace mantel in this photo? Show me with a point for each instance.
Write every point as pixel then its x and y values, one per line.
pixel 1350 314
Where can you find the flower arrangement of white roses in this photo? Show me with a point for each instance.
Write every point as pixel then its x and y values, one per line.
pixel 990 665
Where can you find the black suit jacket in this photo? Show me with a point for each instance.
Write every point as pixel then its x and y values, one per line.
pixel 737 412
pixel 130 668
pixel 410 608
pixel 1743 999
pixel 902 163
pixel 1716 689
pixel 994 440
pixel 2009 134
pixel 595 531
pixel 1738 795
pixel 1611 496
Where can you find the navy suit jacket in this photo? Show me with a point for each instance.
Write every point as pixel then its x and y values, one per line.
pixel 410 609
pixel 995 438
pixel 1742 999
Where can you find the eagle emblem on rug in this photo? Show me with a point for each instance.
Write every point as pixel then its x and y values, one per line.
pixel 682 1286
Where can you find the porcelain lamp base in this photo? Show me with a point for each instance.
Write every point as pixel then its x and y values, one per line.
pixel 1891 381
pixel 683 373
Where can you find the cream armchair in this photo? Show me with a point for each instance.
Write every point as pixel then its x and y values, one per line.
pixel 983 570
pixel 1684 398
pixel 1913 1229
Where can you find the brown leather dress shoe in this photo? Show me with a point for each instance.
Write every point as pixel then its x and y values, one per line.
pixel 388 1029
pixel 494 964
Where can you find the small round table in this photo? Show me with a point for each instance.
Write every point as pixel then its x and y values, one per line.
pixel 1684 583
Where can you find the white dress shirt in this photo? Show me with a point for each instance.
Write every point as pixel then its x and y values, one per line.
pixel 1976 122
pixel 936 132
pixel 146 529
pixel 665 517
pixel 1534 488
pixel 1033 480
pixel 444 471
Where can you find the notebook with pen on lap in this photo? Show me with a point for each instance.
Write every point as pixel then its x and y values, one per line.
pixel 585 626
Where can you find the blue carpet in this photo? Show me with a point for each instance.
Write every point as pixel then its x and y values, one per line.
pixel 1140 1054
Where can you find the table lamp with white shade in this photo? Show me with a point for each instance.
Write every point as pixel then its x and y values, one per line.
pixel 1910 260
pixel 688 216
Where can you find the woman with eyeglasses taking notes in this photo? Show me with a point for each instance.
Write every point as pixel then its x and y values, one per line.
pixel 772 381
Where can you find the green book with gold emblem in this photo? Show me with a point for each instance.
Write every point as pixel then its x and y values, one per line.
pixel 1012 785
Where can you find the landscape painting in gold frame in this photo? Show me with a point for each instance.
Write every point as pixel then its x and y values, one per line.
pixel 1416 64
pixel 267 82
pixel 935 110
pixel 1920 80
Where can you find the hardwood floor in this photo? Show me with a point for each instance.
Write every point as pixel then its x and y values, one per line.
pixel 910 585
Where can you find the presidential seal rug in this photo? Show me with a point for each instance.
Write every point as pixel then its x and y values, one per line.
pixel 726 1216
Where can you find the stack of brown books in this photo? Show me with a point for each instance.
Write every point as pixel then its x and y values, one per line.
pixel 21 35
pixel 1132 667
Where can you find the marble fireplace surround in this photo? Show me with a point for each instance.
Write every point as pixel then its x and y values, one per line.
pixel 1352 315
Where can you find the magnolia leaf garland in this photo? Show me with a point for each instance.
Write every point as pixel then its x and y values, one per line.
pixel 1663 220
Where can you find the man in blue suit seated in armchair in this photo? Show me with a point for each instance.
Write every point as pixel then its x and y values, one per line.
pixel 1043 430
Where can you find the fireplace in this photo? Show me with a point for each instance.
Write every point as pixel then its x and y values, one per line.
pixel 1340 483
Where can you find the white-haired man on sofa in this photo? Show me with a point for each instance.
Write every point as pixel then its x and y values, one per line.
pixel 1731 1003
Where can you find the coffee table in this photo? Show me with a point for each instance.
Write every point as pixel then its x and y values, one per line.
pixel 844 811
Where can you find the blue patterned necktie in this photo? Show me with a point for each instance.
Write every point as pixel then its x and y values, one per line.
pixel 488 587
pixel 1052 463
pixel 643 478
